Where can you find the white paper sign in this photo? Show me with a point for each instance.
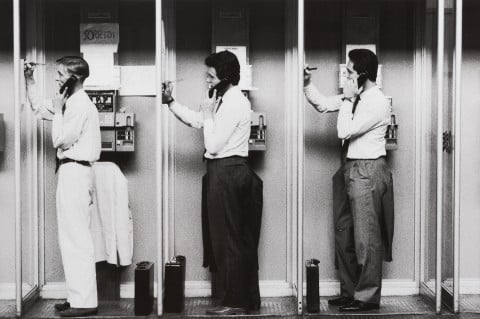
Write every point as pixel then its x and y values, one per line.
pixel 99 33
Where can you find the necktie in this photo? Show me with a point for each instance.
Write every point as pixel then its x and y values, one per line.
pixel 346 143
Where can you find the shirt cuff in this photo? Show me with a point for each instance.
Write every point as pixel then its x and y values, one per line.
pixel 307 87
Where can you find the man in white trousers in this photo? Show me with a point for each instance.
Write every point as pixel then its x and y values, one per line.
pixel 76 137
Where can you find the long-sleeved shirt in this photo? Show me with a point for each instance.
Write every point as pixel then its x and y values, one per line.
pixel 367 126
pixel 228 132
pixel 76 133
pixel 320 102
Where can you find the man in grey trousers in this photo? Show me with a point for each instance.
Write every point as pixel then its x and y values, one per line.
pixel 363 186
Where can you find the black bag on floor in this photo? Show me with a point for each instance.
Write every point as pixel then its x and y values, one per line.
pixel 175 284
pixel 313 294
pixel 144 277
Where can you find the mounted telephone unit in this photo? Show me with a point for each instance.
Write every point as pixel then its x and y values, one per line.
pixel 2 133
pixel 258 136
pixel 391 134
pixel 117 129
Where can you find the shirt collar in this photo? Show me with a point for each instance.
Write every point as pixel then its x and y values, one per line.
pixel 370 91
pixel 230 93
pixel 75 96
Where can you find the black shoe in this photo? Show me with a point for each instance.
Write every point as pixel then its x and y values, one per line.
pixel 78 312
pixel 62 306
pixel 226 311
pixel 357 305
pixel 340 301
pixel 254 305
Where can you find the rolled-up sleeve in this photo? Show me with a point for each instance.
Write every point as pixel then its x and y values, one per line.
pixel 186 115
pixel 320 102
pixel 43 109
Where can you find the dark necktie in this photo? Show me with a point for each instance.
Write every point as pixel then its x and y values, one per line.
pixel 346 143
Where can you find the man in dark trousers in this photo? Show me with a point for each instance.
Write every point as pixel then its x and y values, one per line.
pixel 231 192
pixel 363 186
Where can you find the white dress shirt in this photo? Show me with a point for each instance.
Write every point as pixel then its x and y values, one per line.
pixel 227 134
pixel 366 128
pixel 76 133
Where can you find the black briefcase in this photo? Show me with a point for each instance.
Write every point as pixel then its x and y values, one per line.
pixel 175 284
pixel 144 277
pixel 313 293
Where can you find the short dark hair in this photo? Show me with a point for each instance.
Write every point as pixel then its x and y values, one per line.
pixel 226 65
pixel 364 62
pixel 75 66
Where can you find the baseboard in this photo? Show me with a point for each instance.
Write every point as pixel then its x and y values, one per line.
pixel 58 290
pixel 268 288
pixel 390 287
pixel 470 286
pixel 7 291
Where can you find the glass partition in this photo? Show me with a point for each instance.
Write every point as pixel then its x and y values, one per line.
pixel 7 164
pixel 469 157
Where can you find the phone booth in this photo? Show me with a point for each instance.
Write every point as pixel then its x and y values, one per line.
pixel 428 64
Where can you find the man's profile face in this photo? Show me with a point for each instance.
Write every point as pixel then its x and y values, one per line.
pixel 212 78
pixel 62 75
pixel 351 73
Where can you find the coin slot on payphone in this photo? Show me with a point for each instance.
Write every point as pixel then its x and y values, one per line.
pixel 258 136
pixel 125 133
pixel 392 127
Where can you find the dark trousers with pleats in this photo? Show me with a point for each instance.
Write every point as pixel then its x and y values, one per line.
pixel 231 218
pixel 359 189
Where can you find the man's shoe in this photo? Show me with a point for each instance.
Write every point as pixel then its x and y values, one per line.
pixel 356 306
pixel 78 312
pixel 340 301
pixel 62 306
pixel 254 306
pixel 226 311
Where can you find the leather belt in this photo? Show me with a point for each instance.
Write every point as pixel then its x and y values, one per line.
pixel 68 160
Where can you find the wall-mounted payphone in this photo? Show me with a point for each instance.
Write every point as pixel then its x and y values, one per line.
pixel 391 134
pixel 258 141
pixel 117 129
pixel 2 133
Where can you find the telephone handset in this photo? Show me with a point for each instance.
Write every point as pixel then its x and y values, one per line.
pixel 68 85
pixel 362 78
pixel 220 87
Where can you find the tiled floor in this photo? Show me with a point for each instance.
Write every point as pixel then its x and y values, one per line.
pixel 107 309
pixel 7 308
pixel 391 307
pixel 470 303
